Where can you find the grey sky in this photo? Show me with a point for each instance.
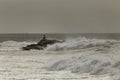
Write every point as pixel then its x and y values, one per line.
pixel 61 16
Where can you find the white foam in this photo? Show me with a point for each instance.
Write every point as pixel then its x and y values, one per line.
pixel 13 45
pixel 78 43
pixel 97 61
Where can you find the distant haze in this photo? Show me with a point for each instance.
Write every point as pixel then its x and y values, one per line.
pixel 59 16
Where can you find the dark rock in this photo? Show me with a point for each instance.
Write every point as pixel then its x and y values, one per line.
pixel 41 44
pixel 33 46
pixel 47 42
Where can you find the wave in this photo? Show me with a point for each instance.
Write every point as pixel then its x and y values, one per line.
pixel 13 45
pixel 68 44
pixel 79 43
pixel 103 59
pixel 96 61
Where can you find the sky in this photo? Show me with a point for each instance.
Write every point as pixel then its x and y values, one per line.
pixel 59 16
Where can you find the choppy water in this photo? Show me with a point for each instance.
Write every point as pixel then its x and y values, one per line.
pixel 95 54
pixel 37 37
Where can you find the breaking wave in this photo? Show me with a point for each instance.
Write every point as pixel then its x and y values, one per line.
pixel 79 43
pixel 13 45
pixel 96 61
pixel 103 59
pixel 68 44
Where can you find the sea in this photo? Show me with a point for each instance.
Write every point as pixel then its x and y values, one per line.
pixel 38 36
pixel 82 56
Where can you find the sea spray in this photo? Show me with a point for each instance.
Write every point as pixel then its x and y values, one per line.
pixel 68 44
pixel 13 45
pixel 92 62
pixel 79 43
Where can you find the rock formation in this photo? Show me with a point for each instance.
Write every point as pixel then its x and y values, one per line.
pixel 41 44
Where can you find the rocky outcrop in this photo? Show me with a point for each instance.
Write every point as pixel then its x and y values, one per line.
pixel 32 46
pixel 41 44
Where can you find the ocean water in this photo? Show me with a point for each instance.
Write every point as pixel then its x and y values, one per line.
pixel 71 41
pixel 37 37
pixel 79 57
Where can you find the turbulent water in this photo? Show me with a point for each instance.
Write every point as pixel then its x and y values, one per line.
pixel 76 56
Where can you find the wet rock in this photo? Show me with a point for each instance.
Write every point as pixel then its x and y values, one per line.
pixel 41 44
pixel 32 46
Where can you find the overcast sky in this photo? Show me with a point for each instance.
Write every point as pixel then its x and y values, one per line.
pixel 59 16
